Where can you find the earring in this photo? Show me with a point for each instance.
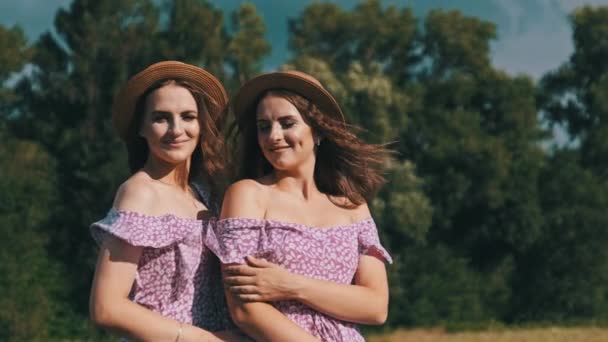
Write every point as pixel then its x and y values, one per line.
pixel 318 141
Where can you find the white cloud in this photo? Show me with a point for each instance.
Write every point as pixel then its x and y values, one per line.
pixel 540 40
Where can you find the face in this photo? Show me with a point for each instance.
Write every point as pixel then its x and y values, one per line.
pixel 285 139
pixel 170 124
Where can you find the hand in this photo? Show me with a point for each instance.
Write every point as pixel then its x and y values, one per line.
pixel 260 281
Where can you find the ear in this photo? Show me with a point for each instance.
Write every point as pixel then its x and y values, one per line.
pixel 317 140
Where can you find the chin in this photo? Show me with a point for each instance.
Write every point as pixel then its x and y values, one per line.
pixel 282 165
pixel 176 157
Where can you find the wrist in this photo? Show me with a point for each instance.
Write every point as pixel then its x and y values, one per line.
pixel 192 333
pixel 299 286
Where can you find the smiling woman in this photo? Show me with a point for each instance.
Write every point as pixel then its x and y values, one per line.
pixel 155 280
pixel 300 204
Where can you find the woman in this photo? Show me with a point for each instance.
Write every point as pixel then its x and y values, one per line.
pixel 154 278
pixel 301 204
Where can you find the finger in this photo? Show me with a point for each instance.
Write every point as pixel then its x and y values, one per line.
pixel 239 270
pixel 243 289
pixel 250 298
pixel 253 261
pixel 239 280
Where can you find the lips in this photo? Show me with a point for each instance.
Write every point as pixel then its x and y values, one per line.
pixel 176 143
pixel 278 148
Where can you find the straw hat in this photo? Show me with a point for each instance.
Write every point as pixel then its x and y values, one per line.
pixel 123 109
pixel 292 80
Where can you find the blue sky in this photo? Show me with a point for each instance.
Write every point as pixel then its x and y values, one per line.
pixel 533 35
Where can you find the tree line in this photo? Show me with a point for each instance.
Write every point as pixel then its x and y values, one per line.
pixel 488 220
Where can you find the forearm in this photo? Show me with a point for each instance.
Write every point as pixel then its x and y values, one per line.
pixel 263 322
pixel 352 303
pixel 139 323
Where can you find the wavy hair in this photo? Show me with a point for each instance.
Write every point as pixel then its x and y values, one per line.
pixel 345 165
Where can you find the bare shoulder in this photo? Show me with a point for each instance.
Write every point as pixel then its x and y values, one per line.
pixel 356 212
pixel 137 194
pixel 361 212
pixel 245 198
pixel 245 187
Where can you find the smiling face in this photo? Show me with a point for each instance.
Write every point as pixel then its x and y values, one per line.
pixel 170 124
pixel 286 141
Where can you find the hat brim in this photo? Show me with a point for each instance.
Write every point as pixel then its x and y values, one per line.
pixel 250 92
pixel 124 103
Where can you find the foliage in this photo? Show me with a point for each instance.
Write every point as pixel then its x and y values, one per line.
pixel 483 223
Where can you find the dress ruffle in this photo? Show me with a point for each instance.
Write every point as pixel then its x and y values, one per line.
pixel 144 230
pixel 233 239
pixel 369 242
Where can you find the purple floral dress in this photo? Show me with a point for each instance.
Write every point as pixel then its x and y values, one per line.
pixel 323 253
pixel 177 275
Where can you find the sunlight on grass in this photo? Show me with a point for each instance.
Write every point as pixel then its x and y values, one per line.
pixel 552 334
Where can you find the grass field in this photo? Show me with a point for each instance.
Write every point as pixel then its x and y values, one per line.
pixel 516 335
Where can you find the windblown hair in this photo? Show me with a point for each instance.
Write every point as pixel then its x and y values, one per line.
pixel 345 165
pixel 208 163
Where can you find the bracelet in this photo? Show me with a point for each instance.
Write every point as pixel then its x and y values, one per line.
pixel 179 332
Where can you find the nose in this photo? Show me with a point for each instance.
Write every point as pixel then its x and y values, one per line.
pixel 275 133
pixel 176 127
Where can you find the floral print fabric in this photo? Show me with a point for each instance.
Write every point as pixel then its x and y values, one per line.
pixel 177 276
pixel 323 253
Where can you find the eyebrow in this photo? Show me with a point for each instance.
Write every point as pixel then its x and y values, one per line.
pixel 163 112
pixel 288 116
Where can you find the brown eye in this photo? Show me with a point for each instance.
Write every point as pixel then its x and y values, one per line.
pixel 287 124
pixel 263 128
pixel 159 118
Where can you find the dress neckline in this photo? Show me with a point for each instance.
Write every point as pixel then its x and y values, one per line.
pixel 156 217
pixel 296 224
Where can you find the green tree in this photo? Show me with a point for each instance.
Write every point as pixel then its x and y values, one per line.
pixel 14 55
pixel 247 45
pixel 565 273
pixel 475 143
pixel 194 34
pixel 573 95
pixel 568 267
pixel 29 277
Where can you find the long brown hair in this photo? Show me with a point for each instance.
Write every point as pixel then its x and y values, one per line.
pixel 345 165
pixel 208 161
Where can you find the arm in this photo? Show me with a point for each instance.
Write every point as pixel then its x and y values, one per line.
pixel 365 302
pixel 111 308
pixel 259 320
pixel 263 322
pixel 115 272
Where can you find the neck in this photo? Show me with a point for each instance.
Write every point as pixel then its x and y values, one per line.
pixel 300 180
pixel 171 174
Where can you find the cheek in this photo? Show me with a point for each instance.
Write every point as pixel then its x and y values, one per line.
pixel 194 127
pixel 302 137
pixel 153 131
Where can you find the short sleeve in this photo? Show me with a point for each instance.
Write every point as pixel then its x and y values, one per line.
pixel 142 230
pixel 233 239
pixel 369 242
